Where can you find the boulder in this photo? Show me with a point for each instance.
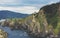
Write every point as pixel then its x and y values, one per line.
pixel 3 34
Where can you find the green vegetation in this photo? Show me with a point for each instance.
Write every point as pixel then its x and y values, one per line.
pixel 46 21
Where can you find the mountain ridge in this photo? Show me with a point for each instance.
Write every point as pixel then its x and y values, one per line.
pixel 44 24
pixel 10 14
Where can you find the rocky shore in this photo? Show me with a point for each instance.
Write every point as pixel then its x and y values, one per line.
pixel 3 34
pixel 44 24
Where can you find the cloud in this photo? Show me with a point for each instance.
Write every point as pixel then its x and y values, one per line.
pixel 10 2
pixel 54 1
pixel 6 1
pixel 24 6
pixel 22 9
pixel 25 2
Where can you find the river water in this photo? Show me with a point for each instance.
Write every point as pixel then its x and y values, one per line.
pixel 15 33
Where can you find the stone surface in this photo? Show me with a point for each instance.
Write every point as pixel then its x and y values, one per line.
pixel 44 24
pixel 3 34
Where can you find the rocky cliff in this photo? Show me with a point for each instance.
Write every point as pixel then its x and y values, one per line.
pixel 44 24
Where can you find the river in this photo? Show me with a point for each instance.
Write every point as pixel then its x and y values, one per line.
pixel 15 33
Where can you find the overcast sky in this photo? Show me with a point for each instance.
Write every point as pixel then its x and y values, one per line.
pixel 24 6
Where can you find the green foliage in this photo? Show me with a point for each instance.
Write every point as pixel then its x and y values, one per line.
pixel 48 13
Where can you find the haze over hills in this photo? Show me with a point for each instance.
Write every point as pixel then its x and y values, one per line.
pixel 10 14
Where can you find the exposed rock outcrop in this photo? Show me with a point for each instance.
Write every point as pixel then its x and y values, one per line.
pixel 3 34
pixel 44 24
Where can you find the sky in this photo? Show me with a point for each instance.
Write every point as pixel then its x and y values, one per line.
pixel 24 6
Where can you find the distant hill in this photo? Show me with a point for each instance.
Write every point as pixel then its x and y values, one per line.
pixel 9 14
pixel 45 23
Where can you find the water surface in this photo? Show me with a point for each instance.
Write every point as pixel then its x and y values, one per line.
pixel 15 33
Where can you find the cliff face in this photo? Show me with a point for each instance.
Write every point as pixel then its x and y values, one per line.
pixel 44 24
pixel 52 13
pixel 52 16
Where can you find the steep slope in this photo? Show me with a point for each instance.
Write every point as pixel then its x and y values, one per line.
pixel 52 13
pixel 44 24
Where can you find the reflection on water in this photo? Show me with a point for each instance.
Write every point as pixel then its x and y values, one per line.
pixel 15 33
